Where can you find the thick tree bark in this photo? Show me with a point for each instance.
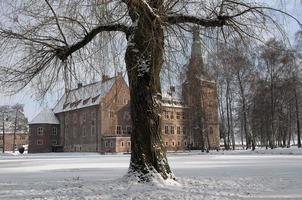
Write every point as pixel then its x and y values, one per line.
pixel 144 58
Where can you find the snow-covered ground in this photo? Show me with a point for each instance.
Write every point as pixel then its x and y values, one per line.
pixel 263 174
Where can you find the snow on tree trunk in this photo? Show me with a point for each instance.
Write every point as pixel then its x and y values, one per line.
pixel 144 58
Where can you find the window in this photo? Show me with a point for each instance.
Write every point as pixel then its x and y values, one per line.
pixel 129 144
pixel 106 144
pixel 178 130
pixel 178 143
pixel 166 129
pixel 173 143
pixel 172 130
pixel 40 131
pixel 84 131
pixel 54 131
pixel 118 130
pixel 166 114
pixel 111 144
pixel 54 142
pixel 183 115
pixel 183 130
pixel 167 143
pixel 93 130
pixel 93 118
pixel 94 98
pixel 122 143
pixel 129 129
pixel 172 115
pixel 86 101
pixel 185 143
pixel 65 105
pixel 110 114
pixel 39 142
pixel 178 115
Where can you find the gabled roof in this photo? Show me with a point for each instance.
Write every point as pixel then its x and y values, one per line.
pixel 84 96
pixel 46 116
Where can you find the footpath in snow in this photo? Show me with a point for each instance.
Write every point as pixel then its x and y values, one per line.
pixel 262 174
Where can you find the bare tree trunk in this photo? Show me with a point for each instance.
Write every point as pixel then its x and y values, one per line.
pixel 144 58
pixel 241 130
pixel 221 110
pixel 272 135
pixel 297 118
pixel 231 120
pixel 3 137
pixel 15 130
pixel 228 115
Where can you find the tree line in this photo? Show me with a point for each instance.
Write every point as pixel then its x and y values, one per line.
pixel 259 92
pixel 12 120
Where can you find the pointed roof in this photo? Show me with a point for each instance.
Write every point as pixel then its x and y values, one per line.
pixel 46 116
pixel 195 66
pixel 84 96
pixel 196 50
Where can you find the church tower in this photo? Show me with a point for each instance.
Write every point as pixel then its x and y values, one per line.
pixel 200 94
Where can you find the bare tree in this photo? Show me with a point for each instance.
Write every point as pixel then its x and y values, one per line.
pixel 44 41
pixel 19 121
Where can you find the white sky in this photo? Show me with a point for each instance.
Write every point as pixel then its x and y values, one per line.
pixel 33 107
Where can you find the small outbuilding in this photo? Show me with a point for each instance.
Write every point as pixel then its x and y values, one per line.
pixel 44 132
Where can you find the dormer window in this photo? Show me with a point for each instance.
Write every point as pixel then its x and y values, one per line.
pixel 65 105
pixel 86 101
pixel 95 98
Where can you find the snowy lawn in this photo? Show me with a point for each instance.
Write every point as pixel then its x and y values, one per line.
pixel 271 174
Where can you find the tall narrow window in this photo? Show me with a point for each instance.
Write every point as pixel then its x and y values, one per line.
pixel 93 130
pixel 111 114
pixel 39 142
pixel 40 131
pixel 129 130
pixel 84 131
pixel 183 130
pixel 172 129
pixel 54 131
pixel 166 129
pixel 118 130
pixel 177 115
pixel 166 114
pixel 178 130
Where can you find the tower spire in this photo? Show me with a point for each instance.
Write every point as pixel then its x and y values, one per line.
pixel 195 66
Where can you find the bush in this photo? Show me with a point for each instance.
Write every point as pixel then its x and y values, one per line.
pixel 21 149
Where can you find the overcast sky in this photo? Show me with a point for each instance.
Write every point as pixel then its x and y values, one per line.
pixel 32 107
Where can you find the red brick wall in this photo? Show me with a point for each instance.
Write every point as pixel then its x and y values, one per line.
pixel 41 143
pixel 21 139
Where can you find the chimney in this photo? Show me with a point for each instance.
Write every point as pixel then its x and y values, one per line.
pixel 80 85
pixel 105 78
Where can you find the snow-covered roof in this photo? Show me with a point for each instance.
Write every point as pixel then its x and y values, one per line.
pixel 172 102
pixel 84 96
pixel 46 116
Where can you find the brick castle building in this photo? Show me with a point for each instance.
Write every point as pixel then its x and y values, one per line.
pixel 96 117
